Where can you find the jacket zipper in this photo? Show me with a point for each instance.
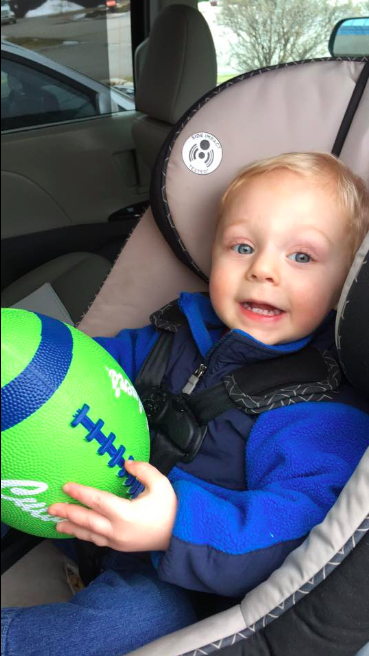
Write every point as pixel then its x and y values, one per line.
pixel 194 380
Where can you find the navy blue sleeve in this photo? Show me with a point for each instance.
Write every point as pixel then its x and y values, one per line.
pixel 130 348
pixel 298 460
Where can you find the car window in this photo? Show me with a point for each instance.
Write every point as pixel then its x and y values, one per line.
pixel 30 97
pixel 91 38
pixel 251 34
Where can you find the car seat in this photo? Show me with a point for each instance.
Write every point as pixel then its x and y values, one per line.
pixel 317 601
pixel 141 50
pixel 179 65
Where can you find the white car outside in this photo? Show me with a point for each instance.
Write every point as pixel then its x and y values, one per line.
pixel 7 14
pixel 108 99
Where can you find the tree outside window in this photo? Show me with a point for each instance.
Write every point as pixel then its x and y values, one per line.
pixel 266 32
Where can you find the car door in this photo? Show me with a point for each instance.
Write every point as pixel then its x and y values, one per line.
pixel 68 159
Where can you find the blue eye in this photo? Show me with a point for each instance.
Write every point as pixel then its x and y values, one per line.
pixel 301 258
pixel 243 249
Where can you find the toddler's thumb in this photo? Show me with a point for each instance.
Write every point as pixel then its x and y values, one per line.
pixel 143 471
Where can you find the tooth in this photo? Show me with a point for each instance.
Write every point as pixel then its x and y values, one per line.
pixel 265 313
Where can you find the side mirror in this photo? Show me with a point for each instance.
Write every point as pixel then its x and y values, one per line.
pixel 350 38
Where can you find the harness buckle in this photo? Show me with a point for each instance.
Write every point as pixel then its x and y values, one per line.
pixel 169 415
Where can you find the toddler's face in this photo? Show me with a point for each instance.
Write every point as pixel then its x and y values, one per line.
pixel 280 257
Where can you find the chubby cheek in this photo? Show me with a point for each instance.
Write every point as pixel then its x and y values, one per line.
pixel 220 290
pixel 216 290
pixel 310 307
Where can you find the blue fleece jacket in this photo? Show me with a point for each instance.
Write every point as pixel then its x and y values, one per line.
pixel 258 484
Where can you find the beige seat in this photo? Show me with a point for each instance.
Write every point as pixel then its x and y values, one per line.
pixel 177 67
pixel 76 278
pixel 41 577
pixel 141 50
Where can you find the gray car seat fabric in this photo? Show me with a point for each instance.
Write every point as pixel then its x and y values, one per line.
pixel 353 311
pixel 76 278
pixel 299 107
pixel 178 68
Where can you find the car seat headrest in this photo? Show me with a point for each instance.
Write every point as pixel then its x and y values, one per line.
pixel 141 50
pixel 180 64
pixel 352 324
pixel 290 107
pixel 168 3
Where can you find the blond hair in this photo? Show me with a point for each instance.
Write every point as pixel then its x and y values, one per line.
pixel 351 191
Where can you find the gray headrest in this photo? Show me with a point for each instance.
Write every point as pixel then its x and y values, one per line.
pixel 180 40
pixel 290 107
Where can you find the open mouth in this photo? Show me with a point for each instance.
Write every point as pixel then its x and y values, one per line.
pixel 262 309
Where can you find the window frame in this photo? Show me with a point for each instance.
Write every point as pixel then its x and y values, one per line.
pixel 56 75
pixel 140 28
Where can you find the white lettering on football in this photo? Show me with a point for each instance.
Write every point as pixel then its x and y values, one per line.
pixel 121 384
pixel 27 490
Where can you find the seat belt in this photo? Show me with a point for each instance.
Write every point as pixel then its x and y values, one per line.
pixel 175 433
pixel 178 422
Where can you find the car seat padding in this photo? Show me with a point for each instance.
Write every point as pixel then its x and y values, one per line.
pixel 298 107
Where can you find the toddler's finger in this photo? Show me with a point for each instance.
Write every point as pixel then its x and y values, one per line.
pixel 104 503
pixel 81 533
pixel 82 517
pixel 144 472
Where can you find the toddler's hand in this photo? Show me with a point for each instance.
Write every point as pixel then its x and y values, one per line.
pixel 144 524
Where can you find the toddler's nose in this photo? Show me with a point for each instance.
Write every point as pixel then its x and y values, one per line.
pixel 264 269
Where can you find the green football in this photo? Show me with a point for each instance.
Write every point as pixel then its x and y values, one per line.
pixel 68 413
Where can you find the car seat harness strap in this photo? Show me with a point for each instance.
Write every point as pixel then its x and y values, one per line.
pixel 351 110
pixel 178 422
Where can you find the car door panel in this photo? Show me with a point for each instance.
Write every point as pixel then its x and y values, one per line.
pixel 70 174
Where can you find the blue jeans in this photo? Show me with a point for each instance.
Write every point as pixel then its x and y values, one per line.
pixel 126 607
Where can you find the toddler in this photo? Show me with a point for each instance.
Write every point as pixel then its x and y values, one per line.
pixel 287 233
